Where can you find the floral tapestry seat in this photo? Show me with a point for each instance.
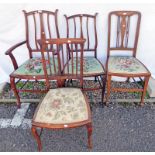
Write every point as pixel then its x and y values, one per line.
pixel 91 66
pixel 125 65
pixel 34 67
pixel 61 106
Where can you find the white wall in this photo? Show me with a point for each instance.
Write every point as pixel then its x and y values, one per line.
pixel 12 29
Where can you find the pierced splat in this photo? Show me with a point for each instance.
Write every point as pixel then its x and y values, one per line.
pixel 124 37
pixel 123 26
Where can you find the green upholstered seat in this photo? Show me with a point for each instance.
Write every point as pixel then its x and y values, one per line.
pixel 125 64
pixel 90 66
pixel 34 67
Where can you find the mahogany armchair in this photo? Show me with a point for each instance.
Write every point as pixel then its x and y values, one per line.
pixel 32 70
pixel 123 33
pixel 62 108
pixel 84 26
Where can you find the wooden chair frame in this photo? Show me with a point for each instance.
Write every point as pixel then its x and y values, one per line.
pixel 123 30
pixel 88 122
pixel 15 79
pixel 98 77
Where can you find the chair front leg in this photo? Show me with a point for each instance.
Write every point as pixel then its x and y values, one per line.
pixel 60 83
pixel 13 87
pixel 95 79
pixel 108 88
pixel 128 79
pixel 146 80
pixel 103 88
pixel 36 136
pixel 89 131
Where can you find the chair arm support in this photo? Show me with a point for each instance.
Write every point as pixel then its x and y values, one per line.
pixel 9 52
pixel 14 47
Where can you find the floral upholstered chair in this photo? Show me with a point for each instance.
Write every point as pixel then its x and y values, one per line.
pixel 123 32
pixel 84 26
pixel 63 108
pixel 32 69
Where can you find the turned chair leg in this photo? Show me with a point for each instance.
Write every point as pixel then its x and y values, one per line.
pixel 36 136
pixel 146 80
pixel 89 131
pixel 108 89
pixel 13 87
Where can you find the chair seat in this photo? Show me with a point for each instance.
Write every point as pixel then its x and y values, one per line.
pixel 34 67
pixel 125 65
pixel 91 66
pixel 61 106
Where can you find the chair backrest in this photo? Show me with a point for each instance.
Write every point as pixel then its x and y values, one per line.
pixel 33 28
pixel 123 31
pixel 58 64
pixel 83 26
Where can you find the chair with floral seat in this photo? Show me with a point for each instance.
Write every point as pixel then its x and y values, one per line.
pixel 63 108
pixel 32 70
pixel 84 26
pixel 123 33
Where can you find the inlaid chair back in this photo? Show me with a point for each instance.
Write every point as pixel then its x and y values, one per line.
pixel 83 26
pixel 123 31
pixel 68 67
pixel 33 28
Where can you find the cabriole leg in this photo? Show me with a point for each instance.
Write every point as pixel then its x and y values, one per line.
pixel 36 136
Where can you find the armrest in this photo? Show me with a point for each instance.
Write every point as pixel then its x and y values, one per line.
pixel 9 52
pixel 14 47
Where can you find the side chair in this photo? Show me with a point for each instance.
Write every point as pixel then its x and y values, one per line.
pixel 84 26
pixel 123 33
pixel 63 108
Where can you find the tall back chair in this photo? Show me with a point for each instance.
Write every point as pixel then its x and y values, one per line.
pixel 123 33
pixel 63 108
pixel 84 26
pixel 31 70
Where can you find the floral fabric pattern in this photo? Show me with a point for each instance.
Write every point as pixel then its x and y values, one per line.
pixel 34 66
pixel 90 66
pixel 62 105
pixel 125 64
